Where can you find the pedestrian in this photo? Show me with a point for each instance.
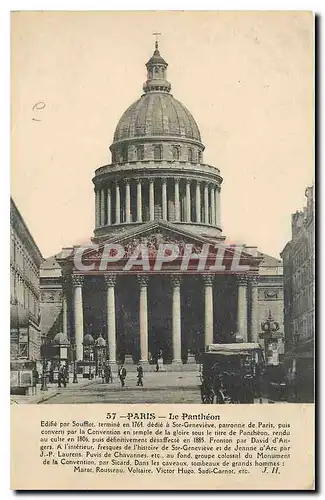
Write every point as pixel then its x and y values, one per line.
pixel 61 376
pixel 35 376
pixel 122 375
pixel 258 382
pixel 108 374
pixel 140 375
pixel 51 375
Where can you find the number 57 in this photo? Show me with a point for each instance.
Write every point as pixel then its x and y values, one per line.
pixel 111 416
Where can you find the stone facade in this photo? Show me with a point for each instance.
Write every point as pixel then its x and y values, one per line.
pixel 25 261
pixel 299 291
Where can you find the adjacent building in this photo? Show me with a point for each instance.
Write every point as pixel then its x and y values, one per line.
pixel 299 298
pixel 25 262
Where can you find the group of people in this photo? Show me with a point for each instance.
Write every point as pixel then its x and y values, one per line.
pixel 107 375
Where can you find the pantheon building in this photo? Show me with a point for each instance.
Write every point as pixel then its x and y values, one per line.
pixel 157 190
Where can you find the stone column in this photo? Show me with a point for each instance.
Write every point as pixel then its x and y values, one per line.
pixel 242 307
pixel 206 204
pixel 109 207
pixel 213 206
pixel 217 206
pixel 65 287
pixel 188 201
pixel 198 202
pixel 77 282
pixel 151 199
pixel 127 202
pixel 102 207
pixel 177 208
pixel 97 208
pixel 208 309
pixel 139 200
pixel 117 203
pixel 164 197
pixel 176 313
pixel 254 311
pixel 110 281
pixel 143 318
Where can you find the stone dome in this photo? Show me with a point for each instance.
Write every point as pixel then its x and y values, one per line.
pixel 157 170
pixel 157 114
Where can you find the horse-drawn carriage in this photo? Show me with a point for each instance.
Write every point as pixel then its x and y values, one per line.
pixel 231 373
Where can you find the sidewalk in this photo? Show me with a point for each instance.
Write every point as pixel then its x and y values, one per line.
pixel 52 391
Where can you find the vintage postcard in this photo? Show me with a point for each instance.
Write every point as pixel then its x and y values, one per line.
pixel 162 250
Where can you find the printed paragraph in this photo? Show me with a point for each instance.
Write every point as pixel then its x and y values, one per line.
pixel 175 443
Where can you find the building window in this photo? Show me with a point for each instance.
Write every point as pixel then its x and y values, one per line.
pixel 140 153
pixel 123 156
pixel 200 157
pixel 157 152
pixel 176 152
pixel 23 350
pixel 190 155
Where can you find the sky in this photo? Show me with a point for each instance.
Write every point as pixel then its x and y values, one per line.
pixel 247 78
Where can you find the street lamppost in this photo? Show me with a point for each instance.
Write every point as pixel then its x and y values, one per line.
pixel 270 329
pixel 88 355
pixel 44 377
pixel 100 353
pixel 44 354
pixel 75 376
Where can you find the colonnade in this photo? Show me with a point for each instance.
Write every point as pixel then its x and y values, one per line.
pixel 175 280
pixel 175 199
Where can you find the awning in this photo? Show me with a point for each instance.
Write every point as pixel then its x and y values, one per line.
pixel 233 348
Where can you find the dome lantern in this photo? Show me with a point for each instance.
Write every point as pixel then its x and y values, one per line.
pixel 156 73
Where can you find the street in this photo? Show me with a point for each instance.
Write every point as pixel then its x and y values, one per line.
pixel 167 388
pixel 163 387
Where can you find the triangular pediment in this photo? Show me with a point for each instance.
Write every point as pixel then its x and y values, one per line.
pixel 161 247
pixel 163 231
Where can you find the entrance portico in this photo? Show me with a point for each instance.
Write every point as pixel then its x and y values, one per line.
pixel 171 309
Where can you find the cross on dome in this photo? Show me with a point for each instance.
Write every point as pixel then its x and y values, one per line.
pixel 156 34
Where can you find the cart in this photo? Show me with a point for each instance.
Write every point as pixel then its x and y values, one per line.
pixel 231 373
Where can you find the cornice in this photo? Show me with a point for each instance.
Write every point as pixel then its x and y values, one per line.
pixel 156 138
pixel 158 169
